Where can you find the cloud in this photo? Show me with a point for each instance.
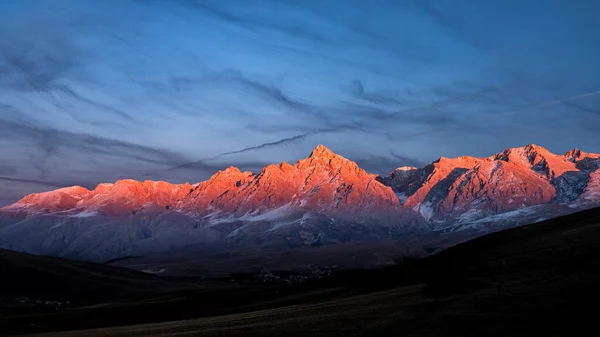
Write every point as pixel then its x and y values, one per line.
pixel 279 128
pixel 49 139
pixel 378 115
pixel 406 161
pixel 53 153
pixel 357 89
pixel 4 169
pixel 44 56
pixel 33 181
pixel 236 79
pixel 581 107
pixel 274 144
pixel 35 62
pixel 270 24
pixel 92 93
pixel 455 26
pixel 67 90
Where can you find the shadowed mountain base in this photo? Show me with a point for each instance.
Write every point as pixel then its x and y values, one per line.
pixel 534 280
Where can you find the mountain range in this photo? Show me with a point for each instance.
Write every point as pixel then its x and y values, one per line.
pixel 467 189
pixel 321 200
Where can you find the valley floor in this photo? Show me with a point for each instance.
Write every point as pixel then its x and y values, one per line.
pixel 326 318
pixel 534 280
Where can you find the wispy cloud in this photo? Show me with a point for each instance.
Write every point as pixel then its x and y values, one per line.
pixel 91 92
pixel 34 181
pixel 583 108
pixel 43 155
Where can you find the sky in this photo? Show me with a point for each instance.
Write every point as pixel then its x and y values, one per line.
pixel 95 91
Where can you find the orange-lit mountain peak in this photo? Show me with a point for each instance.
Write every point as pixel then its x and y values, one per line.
pixel 445 160
pixel 230 173
pixel 576 155
pixel 232 170
pixel 74 191
pixel 322 151
pixel 529 149
pixel 537 158
pixel 52 201
pixel 324 182
pixel 445 163
pixel 271 168
pixel 126 183
pixel 534 147
pixel 102 187
pixel 286 167
pixel 219 183
pixel 324 157
pixel 331 184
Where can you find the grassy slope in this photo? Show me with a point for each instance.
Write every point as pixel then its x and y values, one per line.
pixel 537 279
pixel 48 278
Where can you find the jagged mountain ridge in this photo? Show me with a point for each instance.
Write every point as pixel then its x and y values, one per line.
pixel 467 188
pixel 322 199
pixel 324 183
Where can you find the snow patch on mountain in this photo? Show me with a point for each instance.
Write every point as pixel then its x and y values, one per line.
pixel 84 214
pixel 425 209
pixel 270 215
pixel 323 198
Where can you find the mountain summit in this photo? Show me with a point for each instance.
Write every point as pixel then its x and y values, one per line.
pixel 324 182
pixel 322 199
pixel 321 151
pixel 468 188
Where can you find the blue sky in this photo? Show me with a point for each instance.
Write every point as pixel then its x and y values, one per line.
pixel 95 91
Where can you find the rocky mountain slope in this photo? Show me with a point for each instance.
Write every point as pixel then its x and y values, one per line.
pixel 322 199
pixel 466 189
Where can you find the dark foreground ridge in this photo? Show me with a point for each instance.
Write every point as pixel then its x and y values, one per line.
pixel 538 279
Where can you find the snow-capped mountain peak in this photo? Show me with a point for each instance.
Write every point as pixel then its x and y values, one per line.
pixel 510 180
pixel 324 198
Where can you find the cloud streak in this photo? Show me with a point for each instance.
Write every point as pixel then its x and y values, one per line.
pixel 91 92
pixel 581 107
pixel 274 144
pixel 47 156
pixel 33 181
